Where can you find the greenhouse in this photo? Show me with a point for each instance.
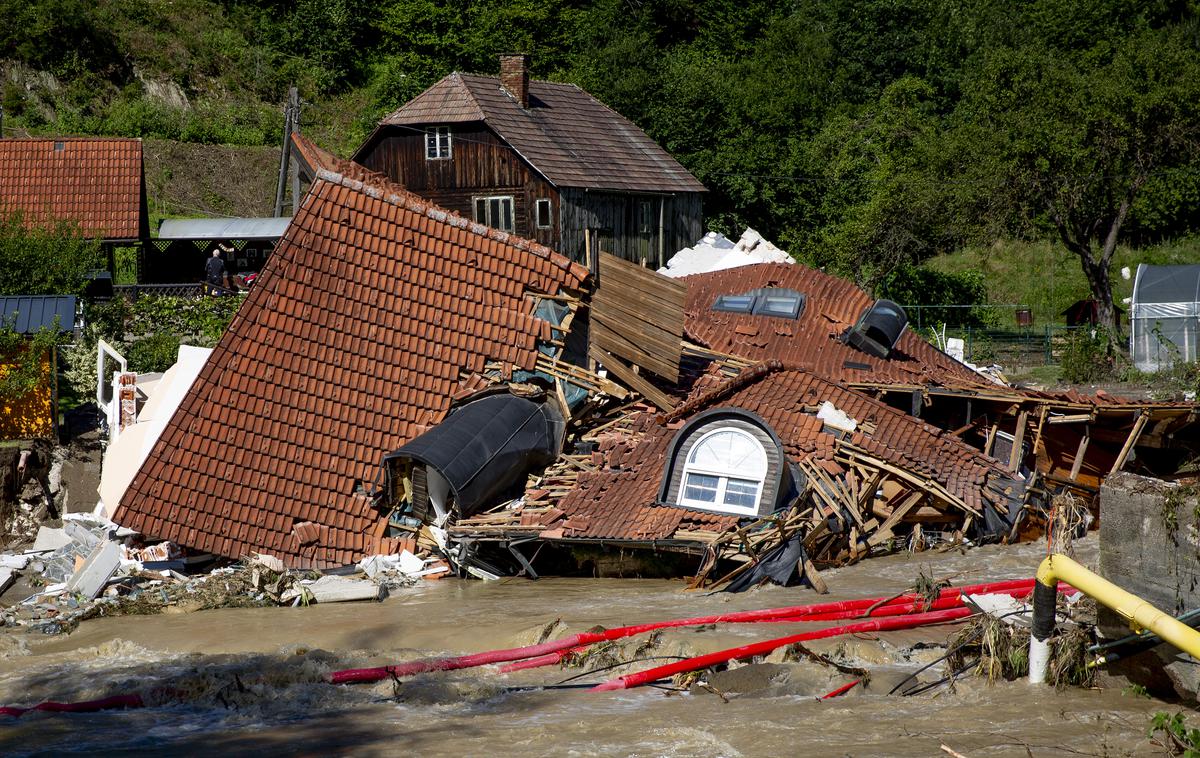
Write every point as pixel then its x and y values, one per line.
pixel 1164 318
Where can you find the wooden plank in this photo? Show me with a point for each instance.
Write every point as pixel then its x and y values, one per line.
pixel 637 383
pixel 1136 432
pixel 637 315
pixel 619 345
pixel 614 270
pixel 1014 457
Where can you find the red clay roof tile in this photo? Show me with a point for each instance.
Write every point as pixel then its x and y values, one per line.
pixel 297 404
pixel 93 181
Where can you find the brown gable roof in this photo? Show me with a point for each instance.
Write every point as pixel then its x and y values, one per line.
pixel 811 341
pixel 619 501
pixel 94 181
pixel 568 136
pixel 351 343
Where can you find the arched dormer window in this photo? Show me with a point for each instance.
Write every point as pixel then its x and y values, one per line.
pixel 726 460
pixel 724 470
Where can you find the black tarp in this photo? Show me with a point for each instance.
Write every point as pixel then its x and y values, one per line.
pixel 487 445
pixel 782 564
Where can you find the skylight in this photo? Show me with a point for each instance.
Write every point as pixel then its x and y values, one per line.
pixel 768 301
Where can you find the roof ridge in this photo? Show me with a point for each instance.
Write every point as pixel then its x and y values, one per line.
pixel 382 188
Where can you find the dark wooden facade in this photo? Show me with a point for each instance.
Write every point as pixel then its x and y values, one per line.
pixel 644 227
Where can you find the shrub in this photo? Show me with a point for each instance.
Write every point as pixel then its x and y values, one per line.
pixel 1087 356
pixel 154 353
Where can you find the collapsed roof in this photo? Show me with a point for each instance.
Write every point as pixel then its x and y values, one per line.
pixel 375 309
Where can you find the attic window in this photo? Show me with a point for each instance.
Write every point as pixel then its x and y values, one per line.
pixel 544 211
pixel 769 301
pixel 437 143
pixel 59 147
pixel 724 472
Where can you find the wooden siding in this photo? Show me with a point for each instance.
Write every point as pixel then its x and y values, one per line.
pixel 613 220
pixel 480 164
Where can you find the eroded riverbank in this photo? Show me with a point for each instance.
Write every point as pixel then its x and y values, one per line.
pixel 250 680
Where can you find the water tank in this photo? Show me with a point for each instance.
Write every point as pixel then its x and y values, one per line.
pixel 878 329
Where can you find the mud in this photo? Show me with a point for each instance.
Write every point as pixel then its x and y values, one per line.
pixel 241 681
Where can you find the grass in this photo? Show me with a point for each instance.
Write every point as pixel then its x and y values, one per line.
pixel 1047 278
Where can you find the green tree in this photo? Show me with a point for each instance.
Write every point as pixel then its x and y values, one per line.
pixel 886 204
pixel 1070 144
pixel 44 259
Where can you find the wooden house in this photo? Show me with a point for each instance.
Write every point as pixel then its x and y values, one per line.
pixel 544 160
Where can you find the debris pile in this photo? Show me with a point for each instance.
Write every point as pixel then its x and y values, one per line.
pixel 92 568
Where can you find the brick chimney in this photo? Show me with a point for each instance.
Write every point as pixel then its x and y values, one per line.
pixel 514 76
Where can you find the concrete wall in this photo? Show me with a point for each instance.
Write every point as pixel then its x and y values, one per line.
pixel 1150 546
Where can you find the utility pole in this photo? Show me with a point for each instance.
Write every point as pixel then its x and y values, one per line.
pixel 291 116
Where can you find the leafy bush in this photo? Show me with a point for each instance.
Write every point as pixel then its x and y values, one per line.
pixel 1087 356
pixel 44 259
pixel 923 286
pixel 154 353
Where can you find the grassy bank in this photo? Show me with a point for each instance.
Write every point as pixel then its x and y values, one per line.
pixel 1045 277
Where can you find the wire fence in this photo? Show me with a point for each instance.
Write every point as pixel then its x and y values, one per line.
pixel 1014 347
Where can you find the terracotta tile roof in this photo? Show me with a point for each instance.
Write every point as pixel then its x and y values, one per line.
pixel 316 160
pixel 568 136
pixel 811 341
pixel 618 502
pixel 94 181
pixel 352 342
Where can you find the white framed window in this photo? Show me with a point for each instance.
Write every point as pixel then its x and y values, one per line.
pixel 495 211
pixel 437 143
pixel 724 472
pixel 544 213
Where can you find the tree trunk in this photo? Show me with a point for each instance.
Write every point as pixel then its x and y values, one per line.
pixel 1100 283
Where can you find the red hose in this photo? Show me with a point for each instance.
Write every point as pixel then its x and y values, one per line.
pixel 761 648
pixel 797 613
pixel 896 608
pixel 840 690
pixel 87 706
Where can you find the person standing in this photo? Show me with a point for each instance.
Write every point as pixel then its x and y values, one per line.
pixel 214 273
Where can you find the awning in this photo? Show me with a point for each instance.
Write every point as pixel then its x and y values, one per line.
pixel 223 228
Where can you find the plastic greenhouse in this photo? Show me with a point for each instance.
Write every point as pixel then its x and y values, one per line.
pixel 1164 318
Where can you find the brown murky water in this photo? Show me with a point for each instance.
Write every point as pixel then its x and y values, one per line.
pixel 249 680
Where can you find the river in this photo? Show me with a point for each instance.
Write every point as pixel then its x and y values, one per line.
pixel 249 681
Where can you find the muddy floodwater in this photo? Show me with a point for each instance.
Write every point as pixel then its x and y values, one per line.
pixel 250 681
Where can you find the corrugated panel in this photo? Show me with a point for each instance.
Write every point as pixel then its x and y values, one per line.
pixel 349 345
pixel 28 314
pixel 95 182
pixel 223 228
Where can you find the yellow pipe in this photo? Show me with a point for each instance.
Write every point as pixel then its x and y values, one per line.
pixel 1140 614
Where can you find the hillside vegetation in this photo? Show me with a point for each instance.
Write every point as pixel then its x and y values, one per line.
pixel 867 136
